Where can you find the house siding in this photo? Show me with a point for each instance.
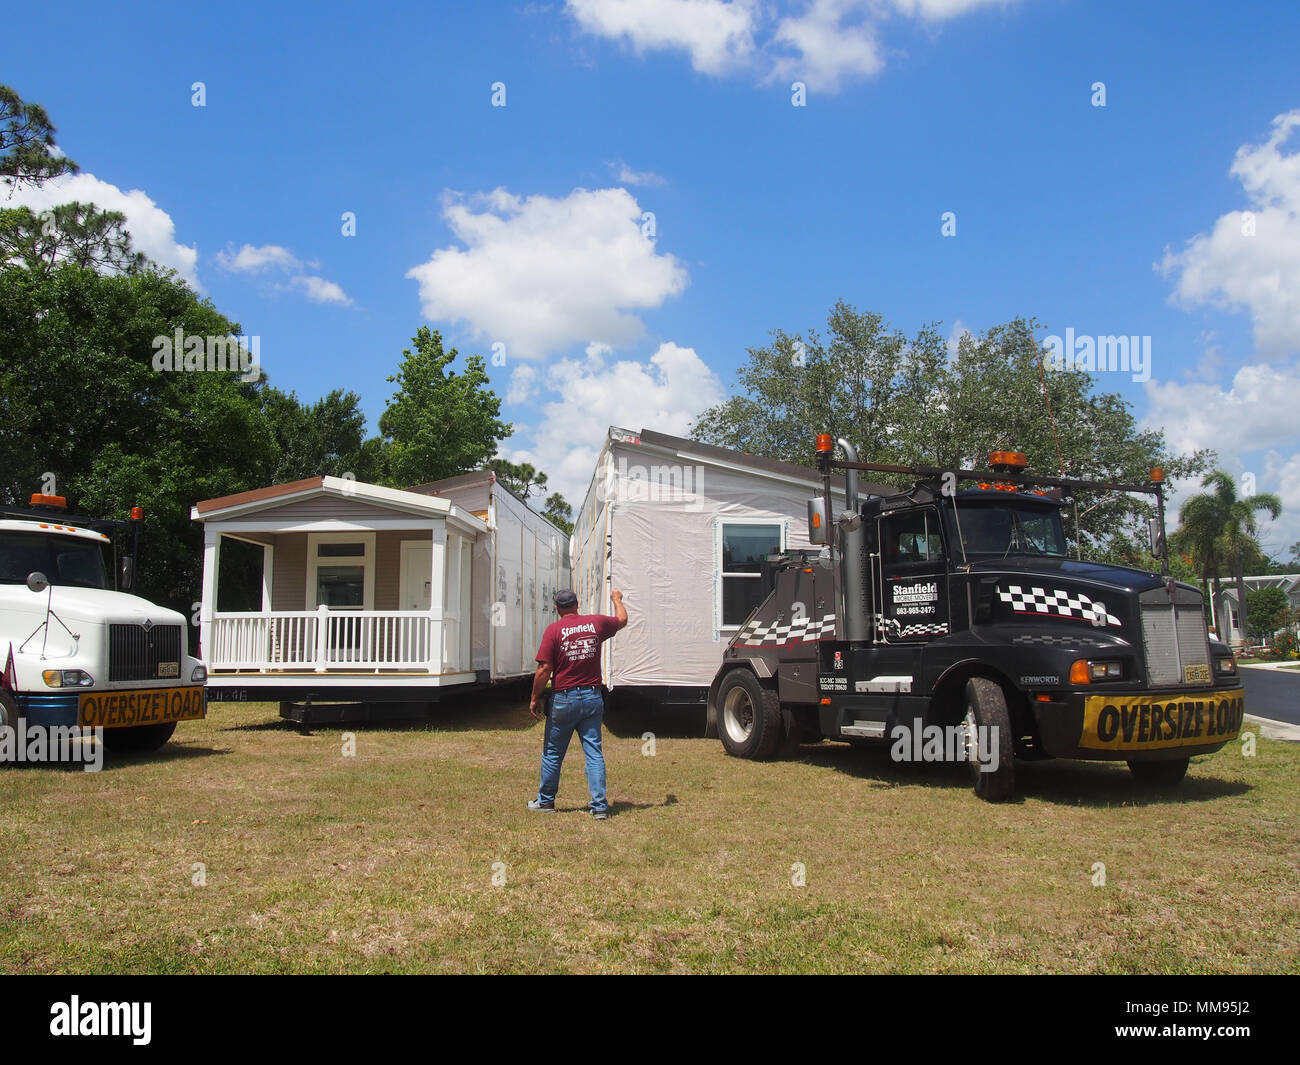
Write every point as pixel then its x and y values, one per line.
pixel 289 573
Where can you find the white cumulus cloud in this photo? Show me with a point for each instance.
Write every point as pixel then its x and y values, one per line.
pixel 665 393
pixel 253 260
pixel 319 290
pixel 718 35
pixel 541 274
pixel 1250 423
pixel 823 43
pixel 152 229
pixel 1251 259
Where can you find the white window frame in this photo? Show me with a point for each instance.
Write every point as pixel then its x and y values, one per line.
pixel 366 561
pixel 719 535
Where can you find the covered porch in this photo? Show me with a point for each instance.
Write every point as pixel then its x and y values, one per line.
pixel 356 581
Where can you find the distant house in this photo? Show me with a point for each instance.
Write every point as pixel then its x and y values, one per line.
pixel 1227 609
pixel 371 593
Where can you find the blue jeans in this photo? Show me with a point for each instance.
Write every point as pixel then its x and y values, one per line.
pixel 580 711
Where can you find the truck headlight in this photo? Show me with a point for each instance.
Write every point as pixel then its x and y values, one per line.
pixel 67 678
pixel 1225 664
pixel 198 674
pixel 1085 671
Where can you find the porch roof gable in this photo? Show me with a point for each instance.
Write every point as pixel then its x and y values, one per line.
pixel 345 490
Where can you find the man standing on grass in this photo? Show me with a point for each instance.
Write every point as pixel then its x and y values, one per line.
pixel 570 653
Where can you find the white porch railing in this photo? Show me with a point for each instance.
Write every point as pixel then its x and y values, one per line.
pixel 324 639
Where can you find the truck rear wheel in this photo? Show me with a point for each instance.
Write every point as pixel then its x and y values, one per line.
pixel 138 738
pixel 749 716
pixel 987 714
pixel 1160 774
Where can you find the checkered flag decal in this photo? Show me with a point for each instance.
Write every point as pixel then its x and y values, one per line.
pixel 797 630
pixel 895 628
pixel 1056 604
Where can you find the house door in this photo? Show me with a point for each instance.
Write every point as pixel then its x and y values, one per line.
pixel 416 577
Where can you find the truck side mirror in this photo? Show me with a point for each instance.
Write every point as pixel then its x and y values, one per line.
pixel 126 574
pixel 818 520
pixel 1157 540
pixel 37 581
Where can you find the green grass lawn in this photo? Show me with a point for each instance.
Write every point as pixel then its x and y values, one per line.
pixel 386 861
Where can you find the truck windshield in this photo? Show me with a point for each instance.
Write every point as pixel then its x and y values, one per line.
pixel 65 560
pixel 1008 530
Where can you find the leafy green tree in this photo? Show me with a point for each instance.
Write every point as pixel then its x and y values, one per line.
pixel 82 405
pixel 521 478
pixel 325 438
pixel 911 402
pixel 28 154
pixel 76 233
pixel 559 512
pixel 439 422
pixel 1267 609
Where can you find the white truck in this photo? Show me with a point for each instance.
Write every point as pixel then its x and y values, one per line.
pixel 76 647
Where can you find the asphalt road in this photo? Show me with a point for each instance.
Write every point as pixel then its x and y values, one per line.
pixel 1273 693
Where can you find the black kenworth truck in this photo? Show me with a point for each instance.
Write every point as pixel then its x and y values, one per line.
pixel 952 622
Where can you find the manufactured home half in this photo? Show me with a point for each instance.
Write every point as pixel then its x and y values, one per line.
pixel 682 528
pixel 375 594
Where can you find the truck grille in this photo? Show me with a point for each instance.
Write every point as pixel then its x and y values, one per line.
pixel 1174 637
pixel 137 653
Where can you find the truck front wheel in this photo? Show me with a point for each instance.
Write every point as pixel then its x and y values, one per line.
pixel 1159 774
pixel 988 731
pixel 749 716
pixel 138 738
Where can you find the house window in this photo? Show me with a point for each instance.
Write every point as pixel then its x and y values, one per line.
pixel 1233 623
pixel 743 548
pixel 340 571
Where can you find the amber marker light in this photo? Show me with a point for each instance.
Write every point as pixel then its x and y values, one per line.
pixel 1079 672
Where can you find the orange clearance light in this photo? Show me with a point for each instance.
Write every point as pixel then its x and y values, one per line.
pixel 1079 672
pixel 1158 474
pixel 39 499
pixel 1043 698
pixel 816 521
pixel 137 513
pixel 826 702
pixel 1007 459
pixel 825 444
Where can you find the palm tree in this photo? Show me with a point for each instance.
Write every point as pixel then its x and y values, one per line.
pixel 1217 527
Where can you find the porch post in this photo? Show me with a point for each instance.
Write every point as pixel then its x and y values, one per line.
pixel 437 593
pixel 268 571
pixel 208 597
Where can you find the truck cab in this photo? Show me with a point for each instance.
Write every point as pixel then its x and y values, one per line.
pixel 961 610
pixel 77 647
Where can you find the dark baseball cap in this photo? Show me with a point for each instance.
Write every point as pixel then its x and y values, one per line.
pixel 565 598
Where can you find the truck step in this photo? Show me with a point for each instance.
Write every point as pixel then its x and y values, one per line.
pixel 872 730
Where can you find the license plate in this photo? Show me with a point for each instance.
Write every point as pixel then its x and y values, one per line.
pixel 1152 723
pixel 153 706
pixel 1196 674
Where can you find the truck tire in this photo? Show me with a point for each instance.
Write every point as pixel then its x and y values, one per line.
pixel 10 711
pixel 138 738
pixel 750 724
pixel 986 708
pixel 1160 774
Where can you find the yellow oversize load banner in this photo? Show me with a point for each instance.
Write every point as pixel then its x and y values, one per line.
pixel 1141 723
pixel 151 707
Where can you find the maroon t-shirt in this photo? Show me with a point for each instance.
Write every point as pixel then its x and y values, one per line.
pixel 572 646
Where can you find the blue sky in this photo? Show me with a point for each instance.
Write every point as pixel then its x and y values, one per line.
pixel 523 225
